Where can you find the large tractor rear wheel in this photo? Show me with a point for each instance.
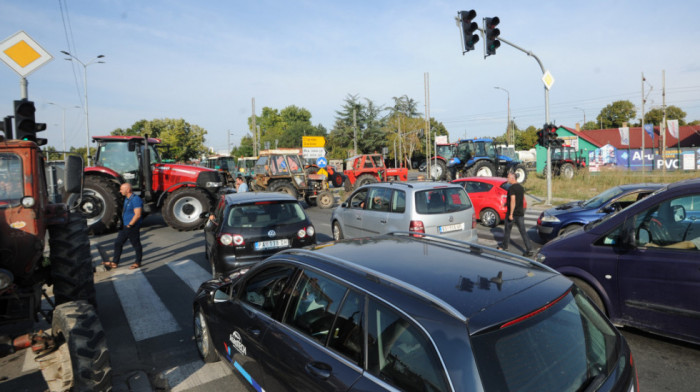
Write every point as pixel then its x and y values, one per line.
pixel 325 199
pixel 81 361
pixel 183 209
pixel 100 204
pixel 438 170
pixel 71 263
pixel 365 179
pixel 482 168
pixel 284 187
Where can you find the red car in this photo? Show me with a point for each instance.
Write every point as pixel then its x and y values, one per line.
pixel 488 195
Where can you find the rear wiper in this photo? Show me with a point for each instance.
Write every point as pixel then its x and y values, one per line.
pixel 595 382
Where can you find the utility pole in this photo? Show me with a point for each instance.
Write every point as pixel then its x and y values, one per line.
pixel 253 130
pixel 643 150
pixel 662 127
pixel 354 129
pixel 426 84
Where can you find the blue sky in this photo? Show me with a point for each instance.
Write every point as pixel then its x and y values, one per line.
pixel 205 60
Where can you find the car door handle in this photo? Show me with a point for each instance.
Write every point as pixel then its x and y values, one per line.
pixel 319 369
pixel 253 331
pixel 382 221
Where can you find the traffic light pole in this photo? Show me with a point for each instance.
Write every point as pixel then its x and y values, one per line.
pixel 546 114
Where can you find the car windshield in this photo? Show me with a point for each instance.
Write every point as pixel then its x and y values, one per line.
pixel 599 199
pixel 264 214
pixel 564 346
pixel 442 200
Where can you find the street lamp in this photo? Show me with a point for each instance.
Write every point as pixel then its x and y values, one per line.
pixel 87 121
pixel 64 124
pixel 584 116
pixel 510 136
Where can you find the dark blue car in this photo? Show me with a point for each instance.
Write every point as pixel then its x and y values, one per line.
pixel 571 216
pixel 641 265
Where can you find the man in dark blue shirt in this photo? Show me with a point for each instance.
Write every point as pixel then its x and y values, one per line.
pixel 131 220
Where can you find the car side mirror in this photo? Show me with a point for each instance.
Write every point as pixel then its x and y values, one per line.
pixel 73 174
pixel 345 204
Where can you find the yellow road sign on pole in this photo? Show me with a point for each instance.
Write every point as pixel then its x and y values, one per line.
pixel 24 55
pixel 313 141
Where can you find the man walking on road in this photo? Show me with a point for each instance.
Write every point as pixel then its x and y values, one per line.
pixel 516 213
pixel 131 220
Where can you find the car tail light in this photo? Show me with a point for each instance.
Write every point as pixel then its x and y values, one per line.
pixel 635 386
pixel 539 220
pixel 310 231
pixel 473 221
pixel 228 239
pixel 416 226
pixel 540 310
pixel 301 233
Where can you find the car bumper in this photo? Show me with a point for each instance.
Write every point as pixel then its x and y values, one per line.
pixel 547 233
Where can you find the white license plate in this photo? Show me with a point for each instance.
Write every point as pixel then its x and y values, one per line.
pixel 449 228
pixel 271 244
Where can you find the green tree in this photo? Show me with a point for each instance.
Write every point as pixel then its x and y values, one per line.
pixel 616 114
pixel 182 140
pixel 285 128
pixel 655 116
pixel 369 134
pixel 590 125
pixel 525 140
pixel 245 149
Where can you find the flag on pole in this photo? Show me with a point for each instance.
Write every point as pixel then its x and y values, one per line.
pixel 650 130
pixel 624 136
pixel 673 128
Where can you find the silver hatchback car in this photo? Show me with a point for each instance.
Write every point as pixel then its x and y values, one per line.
pixel 424 207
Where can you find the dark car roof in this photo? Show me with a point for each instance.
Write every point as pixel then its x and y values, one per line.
pixel 251 197
pixel 647 185
pixel 463 281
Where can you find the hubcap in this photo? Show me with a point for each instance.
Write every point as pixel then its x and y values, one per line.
pixel 187 209
pixel 92 206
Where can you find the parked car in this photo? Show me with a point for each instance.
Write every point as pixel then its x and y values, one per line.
pixel 396 312
pixel 423 207
pixel 641 265
pixel 247 227
pixel 572 216
pixel 489 197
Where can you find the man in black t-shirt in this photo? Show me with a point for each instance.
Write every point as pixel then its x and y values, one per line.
pixel 515 213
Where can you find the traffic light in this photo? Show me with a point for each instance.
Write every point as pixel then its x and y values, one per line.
pixel 25 123
pixel 552 135
pixel 6 126
pixel 541 139
pixel 468 29
pixel 492 33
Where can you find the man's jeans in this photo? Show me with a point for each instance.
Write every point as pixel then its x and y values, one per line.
pixel 520 221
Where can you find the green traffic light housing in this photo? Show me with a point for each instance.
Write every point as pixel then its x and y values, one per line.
pixel 492 33
pixel 469 28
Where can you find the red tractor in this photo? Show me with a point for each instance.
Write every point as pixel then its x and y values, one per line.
pixel 566 160
pixel 370 168
pixel 438 164
pixel 73 354
pixel 182 193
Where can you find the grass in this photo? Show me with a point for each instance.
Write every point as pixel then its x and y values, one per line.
pixel 586 184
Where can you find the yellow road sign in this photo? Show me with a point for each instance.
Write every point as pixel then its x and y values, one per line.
pixel 313 141
pixel 24 55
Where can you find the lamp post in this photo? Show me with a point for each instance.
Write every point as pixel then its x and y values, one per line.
pixel 509 134
pixel 87 121
pixel 64 124
pixel 584 116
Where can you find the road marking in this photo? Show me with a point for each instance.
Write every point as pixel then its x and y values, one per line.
pixel 195 374
pixel 145 312
pixel 190 272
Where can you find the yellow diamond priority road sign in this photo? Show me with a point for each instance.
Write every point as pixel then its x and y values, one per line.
pixel 23 54
pixel 548 80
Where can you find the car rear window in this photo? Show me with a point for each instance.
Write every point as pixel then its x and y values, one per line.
pixel 264 214
pixel 561 347
pixel 442 200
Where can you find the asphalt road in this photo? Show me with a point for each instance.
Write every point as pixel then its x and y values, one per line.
pixel 147 318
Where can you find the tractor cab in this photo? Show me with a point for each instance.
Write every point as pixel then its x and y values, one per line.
pixel 125 158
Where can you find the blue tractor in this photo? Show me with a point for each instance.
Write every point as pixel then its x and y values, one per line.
pixel 481 158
